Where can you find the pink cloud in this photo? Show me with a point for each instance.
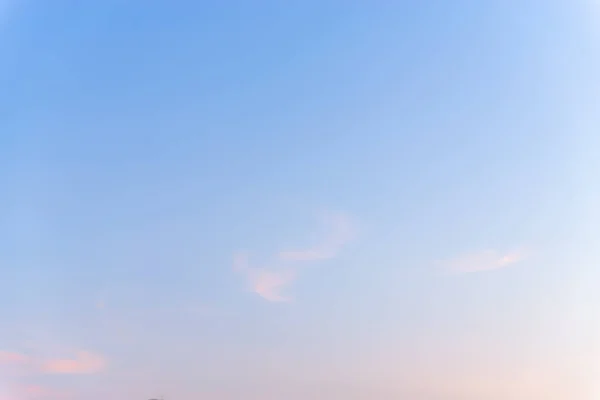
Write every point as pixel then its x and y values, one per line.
pixel 36 392
pixel 84 363
pixel 481 261
pixel 12 358
pixel 268 284
pixel 339 231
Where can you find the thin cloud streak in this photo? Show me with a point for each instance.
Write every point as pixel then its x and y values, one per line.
pixel 340 231
pixel 487 260
pixel 37 392
pixel 85 362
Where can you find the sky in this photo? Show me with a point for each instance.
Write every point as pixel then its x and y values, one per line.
pixel 336 200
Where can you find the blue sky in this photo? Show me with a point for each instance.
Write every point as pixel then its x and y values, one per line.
pixel 335 200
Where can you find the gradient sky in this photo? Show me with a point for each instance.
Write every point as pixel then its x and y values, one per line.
pixel 267 200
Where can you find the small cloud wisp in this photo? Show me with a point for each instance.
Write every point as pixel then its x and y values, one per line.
pixel 268 284
pixel 35 392
pixel 487 260
pixel 9 358
pixel 84 362
pixel 340 231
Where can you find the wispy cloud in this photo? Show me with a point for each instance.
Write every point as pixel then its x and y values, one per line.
pixel 84 362
pixel 37 392
pixel 486 260
pixel 270 283
pixel 8 358
pixel 100 305
pixel 339 230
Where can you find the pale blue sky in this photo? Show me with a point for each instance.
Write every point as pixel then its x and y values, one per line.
pixel 268 200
